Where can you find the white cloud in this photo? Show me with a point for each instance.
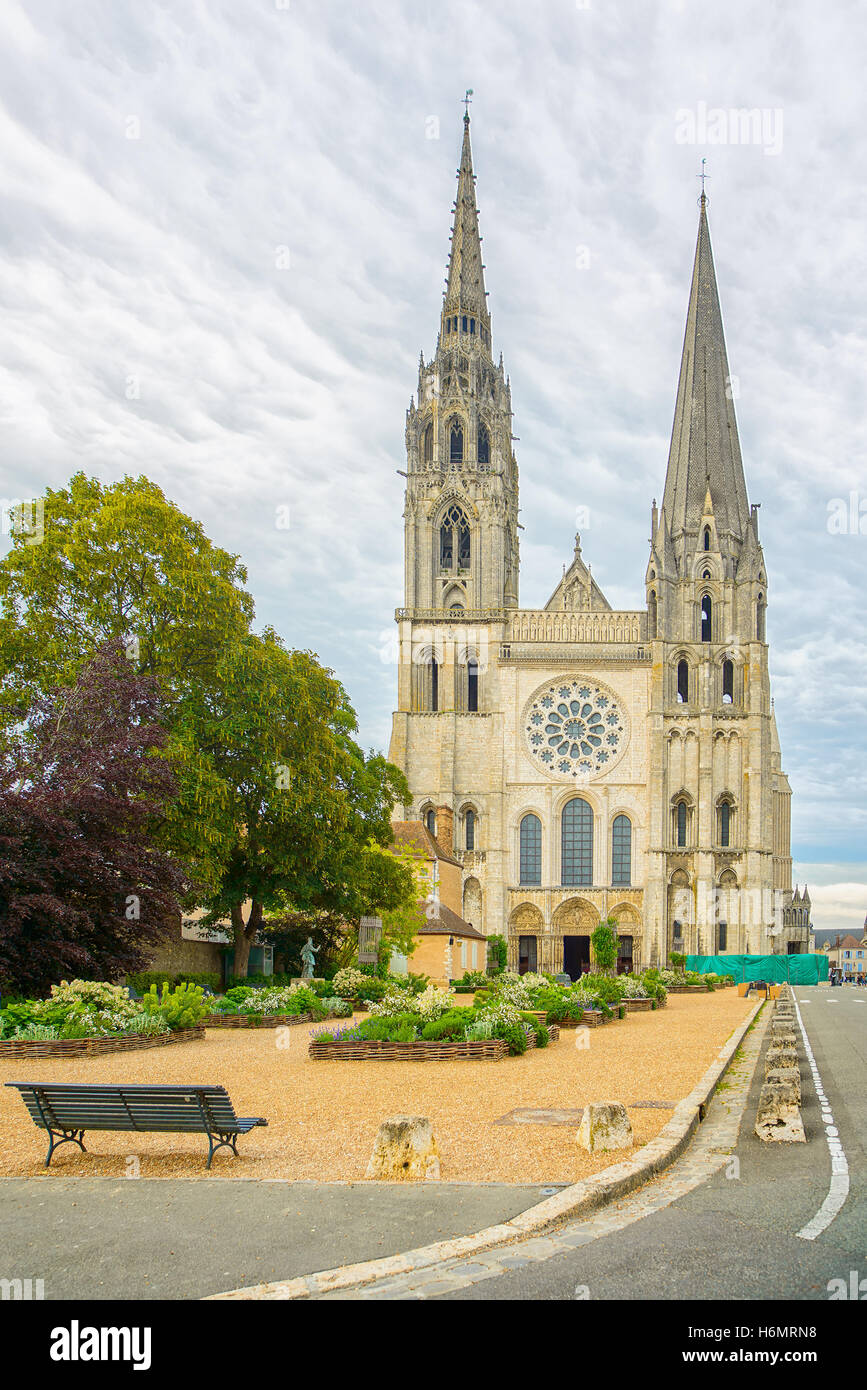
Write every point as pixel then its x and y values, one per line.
pixel 156 259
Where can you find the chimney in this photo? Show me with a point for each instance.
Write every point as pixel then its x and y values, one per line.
pixel 446 829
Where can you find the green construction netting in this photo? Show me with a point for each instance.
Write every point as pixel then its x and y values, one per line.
pixel 798 970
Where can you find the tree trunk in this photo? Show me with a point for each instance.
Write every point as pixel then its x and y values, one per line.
pixel 244 934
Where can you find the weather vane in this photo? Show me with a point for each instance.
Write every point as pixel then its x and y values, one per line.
pixel 467 103
pixel 703 176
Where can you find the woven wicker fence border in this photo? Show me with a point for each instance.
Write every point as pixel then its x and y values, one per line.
pixel 687 989
pixel 370 1049
pixel 592 1018
pixel 637 1006
pixel 248 1021
pixel 20 1049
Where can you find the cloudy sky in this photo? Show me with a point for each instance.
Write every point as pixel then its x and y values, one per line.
pixel 223 235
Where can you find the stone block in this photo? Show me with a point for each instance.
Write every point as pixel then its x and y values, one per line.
pixel 781 1057
pixel 604 1125
pixel 786 1080
pixel 778 1120
pixel 404 1151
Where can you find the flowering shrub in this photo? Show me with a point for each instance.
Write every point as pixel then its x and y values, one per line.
pixel 513 989
pixel 395 1001
pixel 93 1009
pixel 433 1002
pixel 533 980
pixel 633 989
pixel 348 981
pixel 428 1005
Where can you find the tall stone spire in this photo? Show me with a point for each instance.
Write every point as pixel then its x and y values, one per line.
pixel 705 453
pixel 465 284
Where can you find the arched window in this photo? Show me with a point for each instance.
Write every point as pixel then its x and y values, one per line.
pixel 428 444
pixel 472 326
pixel 464 322
pixel 456 442
pixel 706 618
pixel 430 820
pixel 530 868
pixel 728 682
pixel 651 614
pixel 472 686
pixel 576 843
pixel 707 538
pixel 680 819
pixel 484 445
pixel 434 685
pixel 683 683
pixel 760 618
pixel 724 823
pixel 621 852
pixel 470 829
pixel 454 540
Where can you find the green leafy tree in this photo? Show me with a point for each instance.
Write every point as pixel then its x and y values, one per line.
pixel 279 809
pixel 277 806
pixel 116 561
pixel 604 943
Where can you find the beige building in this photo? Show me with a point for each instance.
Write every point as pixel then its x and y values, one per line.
pixel 578 761
pixel 446 945
pixel 848 955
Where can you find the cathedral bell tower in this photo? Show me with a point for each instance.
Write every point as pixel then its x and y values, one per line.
pixel 721 868
pixel 461 512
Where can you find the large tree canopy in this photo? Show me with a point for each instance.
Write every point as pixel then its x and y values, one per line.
pixel 117 561
pixel 277 807
pixel 82 889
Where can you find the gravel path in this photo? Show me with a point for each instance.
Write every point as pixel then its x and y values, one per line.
pixel 323 1116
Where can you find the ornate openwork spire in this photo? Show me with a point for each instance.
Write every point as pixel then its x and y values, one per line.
pixel 465 309
pixel 705 452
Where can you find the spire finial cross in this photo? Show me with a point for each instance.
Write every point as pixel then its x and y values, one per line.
pixel 703 176
pixel 467 103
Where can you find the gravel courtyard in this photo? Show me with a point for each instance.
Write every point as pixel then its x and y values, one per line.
pixel 323 1116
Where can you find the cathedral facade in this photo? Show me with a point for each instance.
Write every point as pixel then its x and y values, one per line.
pixel 578 761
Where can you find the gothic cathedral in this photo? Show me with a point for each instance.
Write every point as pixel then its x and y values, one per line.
pixel 577 761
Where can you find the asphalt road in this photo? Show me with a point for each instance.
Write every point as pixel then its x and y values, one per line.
pixel 736 1239
pixel 728 1237
pixel 161 1238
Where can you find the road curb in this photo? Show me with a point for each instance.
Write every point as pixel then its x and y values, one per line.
pixel 579 1199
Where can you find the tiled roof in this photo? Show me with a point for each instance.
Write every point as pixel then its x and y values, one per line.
pixel 447 923
pixel 415 834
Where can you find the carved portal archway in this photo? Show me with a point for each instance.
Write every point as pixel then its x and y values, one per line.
pixel 526 938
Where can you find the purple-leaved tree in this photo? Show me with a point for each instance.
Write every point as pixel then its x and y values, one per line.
pixel 85 888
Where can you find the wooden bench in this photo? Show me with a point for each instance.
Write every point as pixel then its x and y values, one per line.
pixel 66 1110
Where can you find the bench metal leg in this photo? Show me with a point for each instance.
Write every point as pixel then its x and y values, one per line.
pixel 70 1136
pixel 226 1141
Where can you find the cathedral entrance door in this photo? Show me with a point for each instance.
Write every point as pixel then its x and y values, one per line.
pixel 576 955
pixel 526 954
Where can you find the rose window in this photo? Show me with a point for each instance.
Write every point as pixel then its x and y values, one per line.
pixel 575 729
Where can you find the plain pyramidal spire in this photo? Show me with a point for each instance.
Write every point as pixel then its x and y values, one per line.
pixel 705 452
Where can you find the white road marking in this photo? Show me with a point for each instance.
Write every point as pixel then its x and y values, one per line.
pixel 839 1189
